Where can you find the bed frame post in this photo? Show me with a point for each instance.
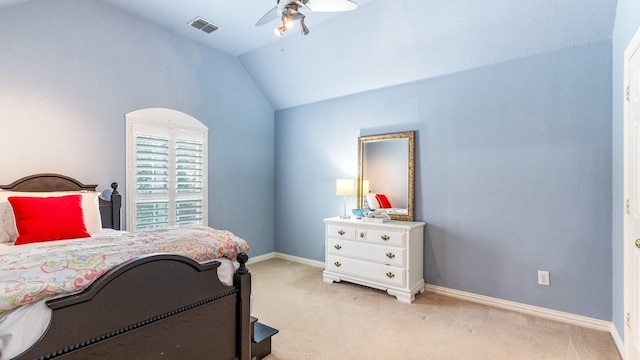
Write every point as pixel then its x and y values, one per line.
pixel 116 201
pixel 242 278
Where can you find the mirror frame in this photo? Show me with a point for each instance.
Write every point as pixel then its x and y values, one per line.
pixel 410 135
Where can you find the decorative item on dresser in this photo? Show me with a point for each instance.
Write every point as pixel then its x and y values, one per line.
pixel 386 256
pixel 344 188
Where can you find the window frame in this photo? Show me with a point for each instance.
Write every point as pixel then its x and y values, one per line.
pixel 175 125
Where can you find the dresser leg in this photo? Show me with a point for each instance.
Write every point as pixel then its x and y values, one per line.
pixel 402 296
pixel 328 278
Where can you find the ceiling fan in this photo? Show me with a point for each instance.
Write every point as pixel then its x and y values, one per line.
pixel 292 10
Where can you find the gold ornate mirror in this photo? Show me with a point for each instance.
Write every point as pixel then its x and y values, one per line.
pixel 385 174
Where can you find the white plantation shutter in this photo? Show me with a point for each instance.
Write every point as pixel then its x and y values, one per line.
pixel 189 179
pixel 152 181
pixel 167 168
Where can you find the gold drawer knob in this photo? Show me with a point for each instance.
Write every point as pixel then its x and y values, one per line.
pixel 385 237
pixel 337 264
pixel 391 275
pixel 341 232
pixel 338 247
pixel 391 255
pixel 362 235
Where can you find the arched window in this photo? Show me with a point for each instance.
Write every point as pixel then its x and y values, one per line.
pixel 166 169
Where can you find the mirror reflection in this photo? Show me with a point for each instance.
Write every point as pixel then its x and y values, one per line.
pixel 386 175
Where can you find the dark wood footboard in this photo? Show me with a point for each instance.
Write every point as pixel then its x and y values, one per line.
pixel 159 306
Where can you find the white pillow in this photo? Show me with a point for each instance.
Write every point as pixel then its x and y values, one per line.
pixel 372 201
pixel 90 211
pixel 8 232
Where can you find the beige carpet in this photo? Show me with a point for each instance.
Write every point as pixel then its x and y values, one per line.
pixel 346 321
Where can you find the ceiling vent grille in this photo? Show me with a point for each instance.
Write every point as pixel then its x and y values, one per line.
pixel 204 25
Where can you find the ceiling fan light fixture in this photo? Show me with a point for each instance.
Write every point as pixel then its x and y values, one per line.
pixel 304 28
pixel 279 31
pixel 288 24
pixel 289 11
pixel 287 21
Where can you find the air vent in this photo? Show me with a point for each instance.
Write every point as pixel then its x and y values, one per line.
pixel 204 25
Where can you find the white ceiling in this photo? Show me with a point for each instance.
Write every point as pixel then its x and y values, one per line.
pixel 236 20
pixel 382 43
pixel 238 33
pixel 392 42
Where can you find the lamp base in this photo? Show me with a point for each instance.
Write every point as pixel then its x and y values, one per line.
pixel 345 217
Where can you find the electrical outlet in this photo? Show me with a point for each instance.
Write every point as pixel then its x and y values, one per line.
pixel 543 277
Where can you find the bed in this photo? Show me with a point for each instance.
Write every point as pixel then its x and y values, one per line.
pixel 156 305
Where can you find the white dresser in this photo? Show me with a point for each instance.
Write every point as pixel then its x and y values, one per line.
pixel 386 256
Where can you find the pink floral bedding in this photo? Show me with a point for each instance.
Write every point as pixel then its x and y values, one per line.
pixel 55 268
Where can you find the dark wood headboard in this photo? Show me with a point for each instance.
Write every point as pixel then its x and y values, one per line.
pixel 109 209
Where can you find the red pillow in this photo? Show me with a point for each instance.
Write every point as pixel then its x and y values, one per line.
pixel 48 218
pixel 384 202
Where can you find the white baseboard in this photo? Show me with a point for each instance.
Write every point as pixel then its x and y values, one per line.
pixel 255 259
pixel 618 341
pixel 301 260
pixel 276 255
pixel 524 308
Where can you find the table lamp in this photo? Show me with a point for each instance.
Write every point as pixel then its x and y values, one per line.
pixel 344 187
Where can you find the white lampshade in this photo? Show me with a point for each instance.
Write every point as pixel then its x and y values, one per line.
pixel 344 187
pixel 365 187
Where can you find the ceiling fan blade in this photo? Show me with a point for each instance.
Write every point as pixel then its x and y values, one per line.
pixel 302 4
pixel 268 17
pixel 331 5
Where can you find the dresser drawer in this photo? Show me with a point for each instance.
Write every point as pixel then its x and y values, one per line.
pixel 341 232
pixel 381 254
pixel 395 238
pixel 384 274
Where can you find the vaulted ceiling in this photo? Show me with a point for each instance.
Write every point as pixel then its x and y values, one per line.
pixel 236 20
pixel 382 43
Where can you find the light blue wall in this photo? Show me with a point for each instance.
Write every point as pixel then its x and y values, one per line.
pixel 626 25
pixel 71 69
pixel 513 174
